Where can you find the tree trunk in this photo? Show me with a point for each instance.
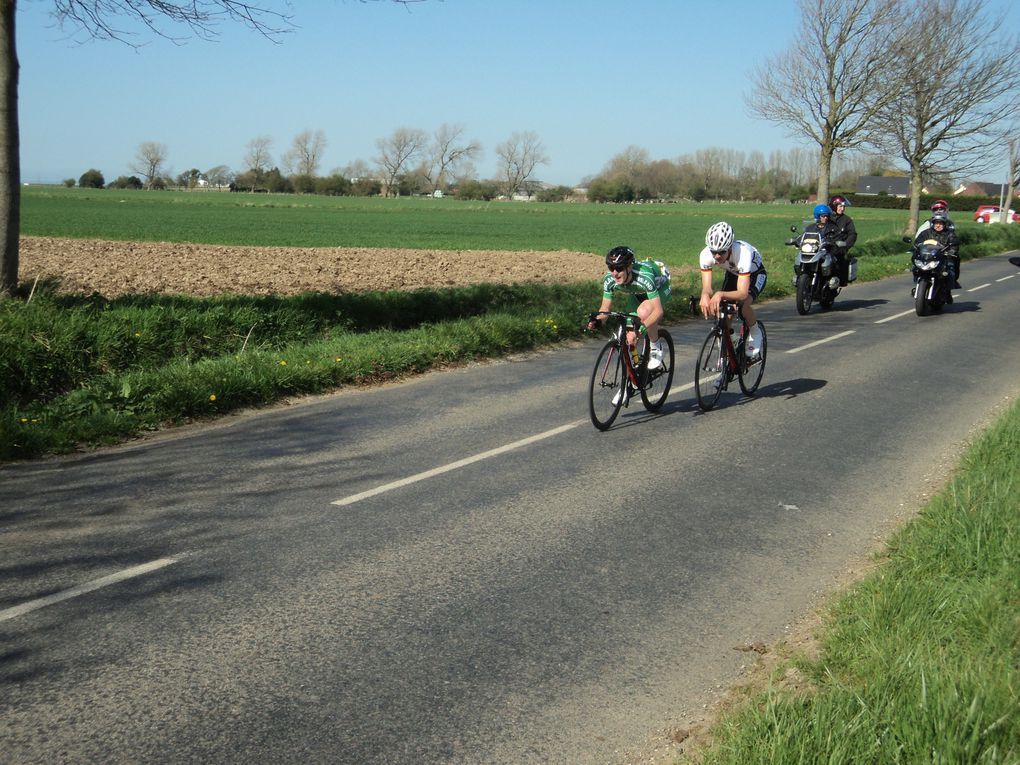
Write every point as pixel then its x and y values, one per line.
pixel 915 197
pixel 10 160
pixel 824 169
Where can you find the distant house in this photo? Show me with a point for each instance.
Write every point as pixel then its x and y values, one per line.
pixel 893 185
pixel 979 189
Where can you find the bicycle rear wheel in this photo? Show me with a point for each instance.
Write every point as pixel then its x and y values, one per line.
pixel 656 382
pixel 752 370
pixel 710 373
pixel 608 386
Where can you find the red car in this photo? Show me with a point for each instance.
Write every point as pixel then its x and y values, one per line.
pixel 986 213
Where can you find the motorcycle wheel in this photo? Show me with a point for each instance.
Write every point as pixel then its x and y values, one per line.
pixel 921 304
pixel 804 296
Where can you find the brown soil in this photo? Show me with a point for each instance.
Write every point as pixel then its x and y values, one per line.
pixel 118 268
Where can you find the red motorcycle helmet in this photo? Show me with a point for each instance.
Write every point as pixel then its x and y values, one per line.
pixel 838 200
pixel 940 205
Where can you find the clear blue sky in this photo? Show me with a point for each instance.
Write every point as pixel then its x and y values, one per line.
pixel 590 78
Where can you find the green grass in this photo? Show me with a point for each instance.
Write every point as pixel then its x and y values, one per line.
pixel 673 233
pixel 921 661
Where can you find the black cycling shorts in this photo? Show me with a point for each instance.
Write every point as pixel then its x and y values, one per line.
pixel 758 279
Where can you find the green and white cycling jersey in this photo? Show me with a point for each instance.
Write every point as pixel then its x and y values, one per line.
pixel 649 279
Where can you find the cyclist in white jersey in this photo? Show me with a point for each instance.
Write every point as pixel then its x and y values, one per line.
pixel 744 278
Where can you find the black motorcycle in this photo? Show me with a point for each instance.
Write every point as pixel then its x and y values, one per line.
pixel 814 270
pixel 933 282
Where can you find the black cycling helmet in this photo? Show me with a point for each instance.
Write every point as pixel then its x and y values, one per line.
pixel 620 256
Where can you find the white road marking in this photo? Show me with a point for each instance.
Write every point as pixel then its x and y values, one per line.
pixel 455 465
pixel 57 597
pixel 980 287
pixel 1011 276
pixel 894 316
pixel 820 342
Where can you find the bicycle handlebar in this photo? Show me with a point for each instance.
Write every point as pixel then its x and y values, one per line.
pixel 628 318
pixel 725 305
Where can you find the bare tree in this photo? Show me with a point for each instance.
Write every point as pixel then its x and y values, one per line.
pixel 959 91
pixel 519 155
pixel 149 161
pixel 449 152
pixel 833 79
pixel 398 153
pixel 356 170
pixel 305 153
pixel 257 158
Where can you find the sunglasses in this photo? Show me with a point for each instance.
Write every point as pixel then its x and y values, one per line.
pixel 618 268
pixel 717 253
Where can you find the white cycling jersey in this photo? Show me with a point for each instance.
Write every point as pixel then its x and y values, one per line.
pixel 743 259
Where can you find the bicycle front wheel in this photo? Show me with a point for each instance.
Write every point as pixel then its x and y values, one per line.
pixel 608 386
pixel 751 370
pixel 710 373
pixel 656 384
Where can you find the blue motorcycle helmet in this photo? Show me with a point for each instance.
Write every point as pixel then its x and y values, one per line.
pixel 821 210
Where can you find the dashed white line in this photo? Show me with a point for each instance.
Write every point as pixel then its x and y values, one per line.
pixel 1011 276
pixel 820 342
pixel 455 465
pixel 106 581
pixel 894 316
pixel 980 287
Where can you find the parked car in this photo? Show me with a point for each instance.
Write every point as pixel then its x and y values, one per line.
pixel 990 214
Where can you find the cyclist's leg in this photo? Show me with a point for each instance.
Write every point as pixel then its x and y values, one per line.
pixel 758 281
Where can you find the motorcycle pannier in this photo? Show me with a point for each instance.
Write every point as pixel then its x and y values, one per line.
pixel 852 270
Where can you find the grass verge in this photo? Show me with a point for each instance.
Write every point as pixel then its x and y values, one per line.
pixel 920 662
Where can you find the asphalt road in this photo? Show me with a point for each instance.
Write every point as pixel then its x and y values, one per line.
pixel 459 568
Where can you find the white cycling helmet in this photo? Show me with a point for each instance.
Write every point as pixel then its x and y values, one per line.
pixel 719 237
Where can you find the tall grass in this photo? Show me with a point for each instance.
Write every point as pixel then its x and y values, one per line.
pixel 921 661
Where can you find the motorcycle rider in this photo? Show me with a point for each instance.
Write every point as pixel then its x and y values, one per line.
pixel 827 233
pixel 847 232
pixel 744 279
pixel 940 232
pixel 939 205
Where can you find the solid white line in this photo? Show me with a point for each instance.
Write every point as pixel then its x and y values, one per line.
pixel 455 465
pixel 980 287
pixel 894 316
pixel 1011 276
pixel 57 597
pixel 819 342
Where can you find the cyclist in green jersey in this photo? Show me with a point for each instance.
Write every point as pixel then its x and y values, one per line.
pixel 646 285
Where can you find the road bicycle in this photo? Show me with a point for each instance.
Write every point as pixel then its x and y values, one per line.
pixel 721 359
pixel 621 370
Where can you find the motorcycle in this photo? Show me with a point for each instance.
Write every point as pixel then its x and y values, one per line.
pixel 933 282
pixel 814 269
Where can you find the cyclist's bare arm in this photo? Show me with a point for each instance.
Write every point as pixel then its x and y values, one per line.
pixel 706 294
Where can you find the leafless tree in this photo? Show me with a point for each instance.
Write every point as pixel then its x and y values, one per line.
pixel 149 161
pixel 518 156
pixel 305 153
pixel 257 158
pixel 449 153
pixel 398 153
pixel 960 90
pixel 220 175
pixel 355 170
pixel 833 79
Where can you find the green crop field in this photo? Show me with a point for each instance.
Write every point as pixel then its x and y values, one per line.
pixel 673 233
